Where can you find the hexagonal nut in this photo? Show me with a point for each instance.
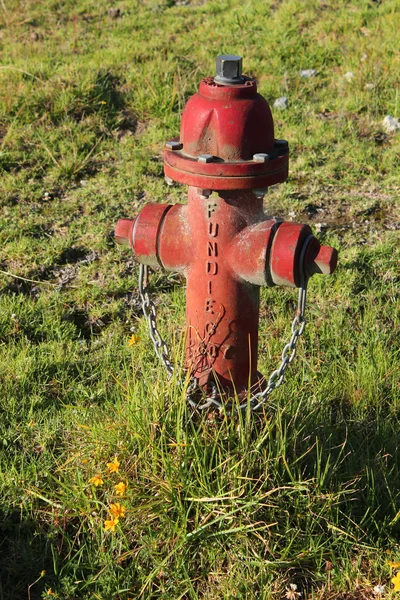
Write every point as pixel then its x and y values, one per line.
pixel 205 158
pixel 204 194
pixel 261 157
pixel 229 69
pixel 281 146
pixel 173 145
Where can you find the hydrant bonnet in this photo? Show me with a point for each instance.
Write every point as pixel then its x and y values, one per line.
pixel 231 125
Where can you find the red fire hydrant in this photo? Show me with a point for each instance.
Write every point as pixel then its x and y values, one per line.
pixel 221 240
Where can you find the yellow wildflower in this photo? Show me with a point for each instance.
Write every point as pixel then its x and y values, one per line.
pixel 109 524
pixel 134 339
pixel 117 510
pixel 113 466
pixel 85 461
pixel 120 488
pixel 96 480
pixel 42 573
pixel 394 565
pixel 396 582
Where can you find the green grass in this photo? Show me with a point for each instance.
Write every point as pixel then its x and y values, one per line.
pixel 217 508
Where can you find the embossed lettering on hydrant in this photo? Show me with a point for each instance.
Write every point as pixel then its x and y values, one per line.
pixel 212 252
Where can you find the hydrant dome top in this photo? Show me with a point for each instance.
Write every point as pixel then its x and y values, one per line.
pixel 230 122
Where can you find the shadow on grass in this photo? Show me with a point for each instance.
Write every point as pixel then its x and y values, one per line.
pixel 25 551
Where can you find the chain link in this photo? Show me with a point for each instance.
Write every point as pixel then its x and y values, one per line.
pixel 150 312
pixel 255 401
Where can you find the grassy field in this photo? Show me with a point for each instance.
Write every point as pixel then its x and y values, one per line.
pixel 307 494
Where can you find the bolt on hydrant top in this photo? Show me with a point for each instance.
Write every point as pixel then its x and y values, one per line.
pixel 227 135
pixel 229 69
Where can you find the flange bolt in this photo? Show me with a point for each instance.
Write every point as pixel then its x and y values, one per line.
pixel 282 146
pixel 261 157
pixel 205 158
pixel 173 145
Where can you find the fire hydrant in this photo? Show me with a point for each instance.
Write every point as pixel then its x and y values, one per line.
pixel 221 240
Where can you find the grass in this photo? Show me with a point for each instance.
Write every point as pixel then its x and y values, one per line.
pixel 216 508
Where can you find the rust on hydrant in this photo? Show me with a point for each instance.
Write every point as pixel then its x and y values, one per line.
pixel 221 240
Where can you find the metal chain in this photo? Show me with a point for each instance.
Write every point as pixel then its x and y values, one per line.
pixel 150 312
pixel 276 378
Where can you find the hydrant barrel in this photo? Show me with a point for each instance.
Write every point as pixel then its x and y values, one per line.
pixel 222 309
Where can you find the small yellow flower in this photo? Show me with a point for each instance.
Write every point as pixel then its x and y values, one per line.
pixel 96 480
pixel 120 488
pixel 103 102
pixel 109 524
pixel 85 461
pixel 117 510
pixel 134 339
pixel 50 592
pixel 393 565
pixel 42 573
pixel 113 466
pixel 396 582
